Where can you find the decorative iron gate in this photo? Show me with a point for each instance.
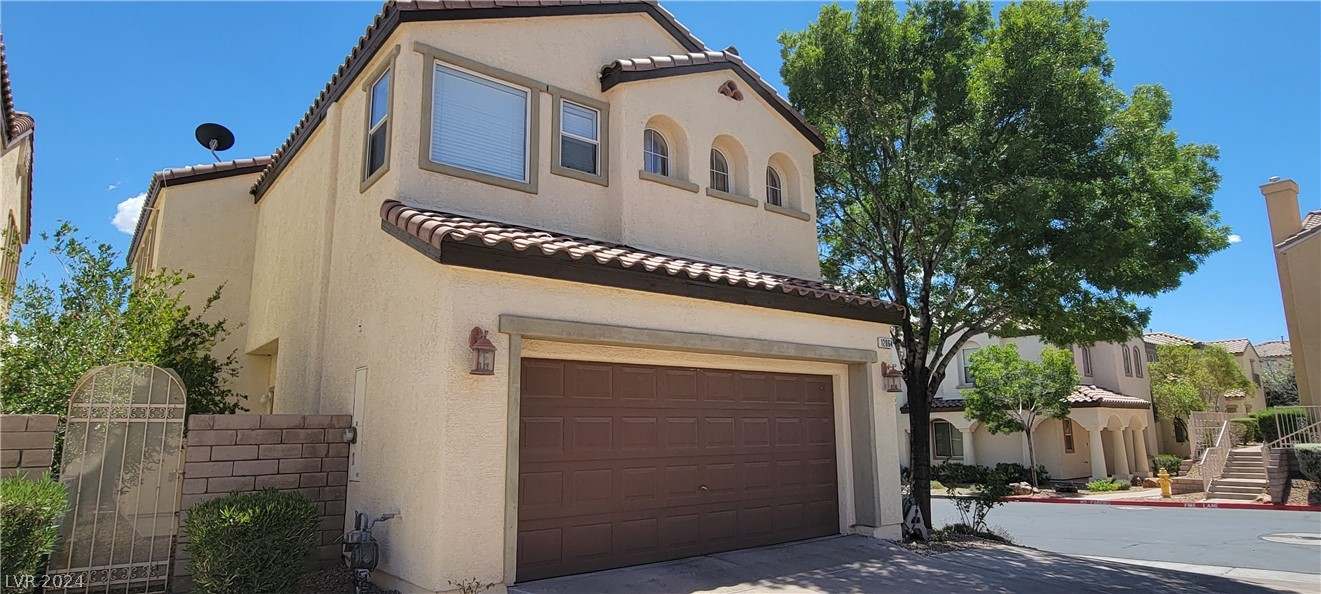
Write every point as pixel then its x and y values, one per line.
pixel 123 452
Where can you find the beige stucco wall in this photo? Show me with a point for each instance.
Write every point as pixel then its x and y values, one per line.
pixel 207 229
pixel 15 182
pixel 1303 262
pixel 1255 400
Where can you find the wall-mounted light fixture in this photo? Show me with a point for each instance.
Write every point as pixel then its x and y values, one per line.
pixel 891 375
pixel 483 353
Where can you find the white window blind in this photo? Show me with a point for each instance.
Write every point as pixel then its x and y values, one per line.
pixel 479 124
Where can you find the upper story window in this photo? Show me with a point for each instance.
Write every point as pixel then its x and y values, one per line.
pixel 1128 363
pixel 480 124
pixel 580 138
pixel 965 357
pixel 1137 361
pixel 655 153
pixel 1086 361
pixel 719 171
pixel 378 125
pixel 774 187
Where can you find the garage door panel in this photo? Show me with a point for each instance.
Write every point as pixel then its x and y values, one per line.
pixel 675 461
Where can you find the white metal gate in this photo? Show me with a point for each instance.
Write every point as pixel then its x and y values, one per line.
pixel 123 453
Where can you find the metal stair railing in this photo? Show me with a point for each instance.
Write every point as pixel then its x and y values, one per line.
pixel 1213 459
pixel 1292 429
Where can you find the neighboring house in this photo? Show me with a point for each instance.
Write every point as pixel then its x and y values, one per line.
pixel 1298 261
pixel 16 153
pixel 1245 354
pixel 627 219
pixel 1274 354
pixel 1108 432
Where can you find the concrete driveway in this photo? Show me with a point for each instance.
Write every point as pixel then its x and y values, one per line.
pixel 865 565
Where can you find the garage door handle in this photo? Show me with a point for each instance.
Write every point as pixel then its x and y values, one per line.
pixel 703 487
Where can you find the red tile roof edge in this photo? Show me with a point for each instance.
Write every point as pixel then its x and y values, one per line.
pixel 1083 396
pixel 1311 227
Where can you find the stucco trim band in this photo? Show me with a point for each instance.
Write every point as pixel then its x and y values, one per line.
pixel 735 198
pixel 788 212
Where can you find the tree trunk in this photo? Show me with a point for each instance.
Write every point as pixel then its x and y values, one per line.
pixel 1032 457
pixel 919 424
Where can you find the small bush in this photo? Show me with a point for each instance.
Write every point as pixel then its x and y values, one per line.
pixel 1251 434
pixel 1169 462
pixel 1103 485
pixel 1013 472
pixel 954 473
pixel 1274 423
pixel 30 513
pixel 251 542
pixel 1309 460
pixel 1123 486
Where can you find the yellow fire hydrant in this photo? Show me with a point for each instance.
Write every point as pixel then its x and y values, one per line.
pixel 1164 479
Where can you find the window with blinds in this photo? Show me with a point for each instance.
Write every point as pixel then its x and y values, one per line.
pixel 479 124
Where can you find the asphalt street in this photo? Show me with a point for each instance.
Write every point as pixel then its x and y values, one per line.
pixel 1223 537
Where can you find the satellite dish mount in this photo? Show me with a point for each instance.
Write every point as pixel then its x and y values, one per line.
pixel 214 137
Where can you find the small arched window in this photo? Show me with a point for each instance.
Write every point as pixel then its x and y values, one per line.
pixel 1137 361
pixel 655 153
pixel 1086 361
pixel 774 187
pixel 719 171
pixel 1128 362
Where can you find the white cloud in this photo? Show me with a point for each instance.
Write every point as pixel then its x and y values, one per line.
pixel 1235 239
pixel 111 187
pixel 126 214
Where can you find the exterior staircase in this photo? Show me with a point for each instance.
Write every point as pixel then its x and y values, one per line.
pixel 1244 477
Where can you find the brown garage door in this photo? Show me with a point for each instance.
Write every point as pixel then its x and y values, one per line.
pixel 628 464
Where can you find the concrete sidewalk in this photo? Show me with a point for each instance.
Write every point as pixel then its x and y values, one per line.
pixel 864 565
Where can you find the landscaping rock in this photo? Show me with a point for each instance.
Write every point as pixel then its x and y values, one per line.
pixel 1023 488
pixel 1150 482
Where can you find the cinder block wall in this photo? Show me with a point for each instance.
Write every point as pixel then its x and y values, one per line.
pixel 27 444
pixel 302 453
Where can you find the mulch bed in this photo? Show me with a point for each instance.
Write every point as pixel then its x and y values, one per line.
pixel 333 580
pixel 1301 492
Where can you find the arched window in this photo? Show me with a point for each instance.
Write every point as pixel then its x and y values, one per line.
pixel 719 171
pixel 655 153
pixel 947 442
pixel 774 187
pixel 1128 363
pixel 1137 361
pixel 1086 361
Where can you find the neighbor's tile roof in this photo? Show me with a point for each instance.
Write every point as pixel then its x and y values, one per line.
pixel 191 173
pixel 1167 338
pixel 728 56
pixel 1087 396
pixel 1274 348
pixel 1237 346
pixel 394 12
pixel 1311 226
pixel 435 228
pixel 940 405
pixel 1235 394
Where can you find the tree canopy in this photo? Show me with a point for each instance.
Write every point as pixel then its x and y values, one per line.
pixel 1011 394
pixel 1280 384
pixel 97 315
pixel 1186 379
pixel 988 175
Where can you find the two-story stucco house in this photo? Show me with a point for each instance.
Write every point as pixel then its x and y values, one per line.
pixel 1245 354
pixel 627 218
pixel 16 152
pixel 1297 239
pixel 1110 430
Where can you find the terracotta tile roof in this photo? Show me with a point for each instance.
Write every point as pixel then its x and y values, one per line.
pixel 395 12
pixel 696 60
pixel 183 175
pixel 1236 346
pixel 1235 394
pixel 437 228
pixel 1089 396
pixel 1167 338
pixel 1274 348
pixel 1311 227
pixel 939 405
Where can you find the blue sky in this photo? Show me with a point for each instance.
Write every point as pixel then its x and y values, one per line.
pixel 117 88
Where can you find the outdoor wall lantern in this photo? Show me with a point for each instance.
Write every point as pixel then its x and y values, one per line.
pixel 891 375
pixel 483 353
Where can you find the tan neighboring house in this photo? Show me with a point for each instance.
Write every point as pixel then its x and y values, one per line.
pixel 1245 354
pixel 1109 431
pixel 16 153
pixel 1298 261
pixel 1274 354
pixel 627 218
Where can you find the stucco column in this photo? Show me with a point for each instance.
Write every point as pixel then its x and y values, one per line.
pixel 1121 455
pixel 1097 448
pixel 969 456
pixel 1140 452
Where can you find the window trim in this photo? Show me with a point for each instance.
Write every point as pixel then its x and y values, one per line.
pixel 779 178
pixel 1128 361
pixel 1069 445
pixel 728 172
pixel 1086 361
pixel 965 369
pixel 602 108
pixel 534 88
pixel 385 67
pixel 935 441
pixel 668 156
pixel 1137 362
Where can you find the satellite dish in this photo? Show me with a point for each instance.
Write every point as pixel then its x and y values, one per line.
pixel 215 137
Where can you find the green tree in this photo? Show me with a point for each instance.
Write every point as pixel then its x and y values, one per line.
pixel 1011 394
pixel 1280 384
pixel 97 315
pixel 1189 378
pixel 989 176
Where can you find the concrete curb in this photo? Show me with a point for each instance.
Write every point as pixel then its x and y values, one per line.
pixel 1184 504
pixel 1243 573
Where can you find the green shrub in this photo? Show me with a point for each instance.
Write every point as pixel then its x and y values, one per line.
pixel 1251 434
pixel 1309 460
pixel 1124 486
pixel 30 513
pixel 251 542
pixel 1274 423
pixel 1169 462
pixel 1104 485
pixel 954 473
pixel 1013 472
